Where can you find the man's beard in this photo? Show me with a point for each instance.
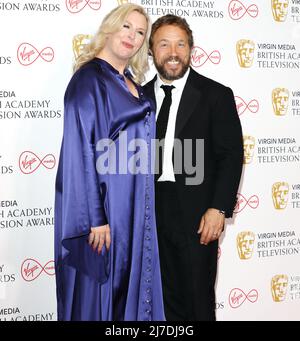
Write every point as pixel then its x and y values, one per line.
pixel 170 76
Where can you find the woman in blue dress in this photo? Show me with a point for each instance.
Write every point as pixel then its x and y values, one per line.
pixel 106 253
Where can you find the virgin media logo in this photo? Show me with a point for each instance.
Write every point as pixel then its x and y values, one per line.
pixel 76 6
pixel 237 297
pixel 242 202
pixel 27 54
pixel 199 57
pixel 31 269
pixel 242 106
pixel 29 162
pixel 237 10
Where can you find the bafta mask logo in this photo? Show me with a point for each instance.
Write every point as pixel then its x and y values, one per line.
pixel 79 42
pixel 245 244
pixel 280 101
pixel 279 285
pixel 280 9
pixel 249 144
pixel 122 2
pixel 245 52
pixel 280 193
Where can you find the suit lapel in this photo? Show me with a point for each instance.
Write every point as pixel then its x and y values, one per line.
pixel 149 90
pixel 191 95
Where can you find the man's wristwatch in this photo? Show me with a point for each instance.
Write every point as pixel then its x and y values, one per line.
pixel 222 212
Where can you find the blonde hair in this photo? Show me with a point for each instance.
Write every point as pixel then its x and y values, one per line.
pixel 112 23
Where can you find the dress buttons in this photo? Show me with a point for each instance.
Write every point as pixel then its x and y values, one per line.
pixel 147 259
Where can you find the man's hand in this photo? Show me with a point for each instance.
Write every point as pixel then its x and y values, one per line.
pixel 211 226
pixel 98 236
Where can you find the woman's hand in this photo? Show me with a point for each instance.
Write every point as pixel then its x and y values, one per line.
pixel 98 236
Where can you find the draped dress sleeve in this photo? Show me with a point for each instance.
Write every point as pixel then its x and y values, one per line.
pixel 79 202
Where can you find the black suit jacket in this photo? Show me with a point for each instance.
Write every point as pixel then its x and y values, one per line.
pixel 207 111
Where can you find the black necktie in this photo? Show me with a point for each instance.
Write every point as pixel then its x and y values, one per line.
pixel 163 116
pixel 162 121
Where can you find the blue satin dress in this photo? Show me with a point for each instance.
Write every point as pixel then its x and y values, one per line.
pixel 123 283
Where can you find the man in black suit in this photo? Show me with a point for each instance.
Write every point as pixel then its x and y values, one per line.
pixel 191 213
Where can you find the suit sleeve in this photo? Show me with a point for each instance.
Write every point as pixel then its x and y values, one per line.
pixel 228 151
pixel 79 205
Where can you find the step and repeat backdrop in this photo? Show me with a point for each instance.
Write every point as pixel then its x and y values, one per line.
pixel 251 46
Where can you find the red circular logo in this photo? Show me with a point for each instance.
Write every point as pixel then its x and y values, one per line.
pixel 76 6
pixel 199 57
pixel 29 162
pixel 31 269
pixel 27 54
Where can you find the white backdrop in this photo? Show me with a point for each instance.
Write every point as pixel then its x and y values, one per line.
pixel 36 57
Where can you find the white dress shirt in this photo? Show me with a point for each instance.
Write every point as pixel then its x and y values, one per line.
pixel 179 84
